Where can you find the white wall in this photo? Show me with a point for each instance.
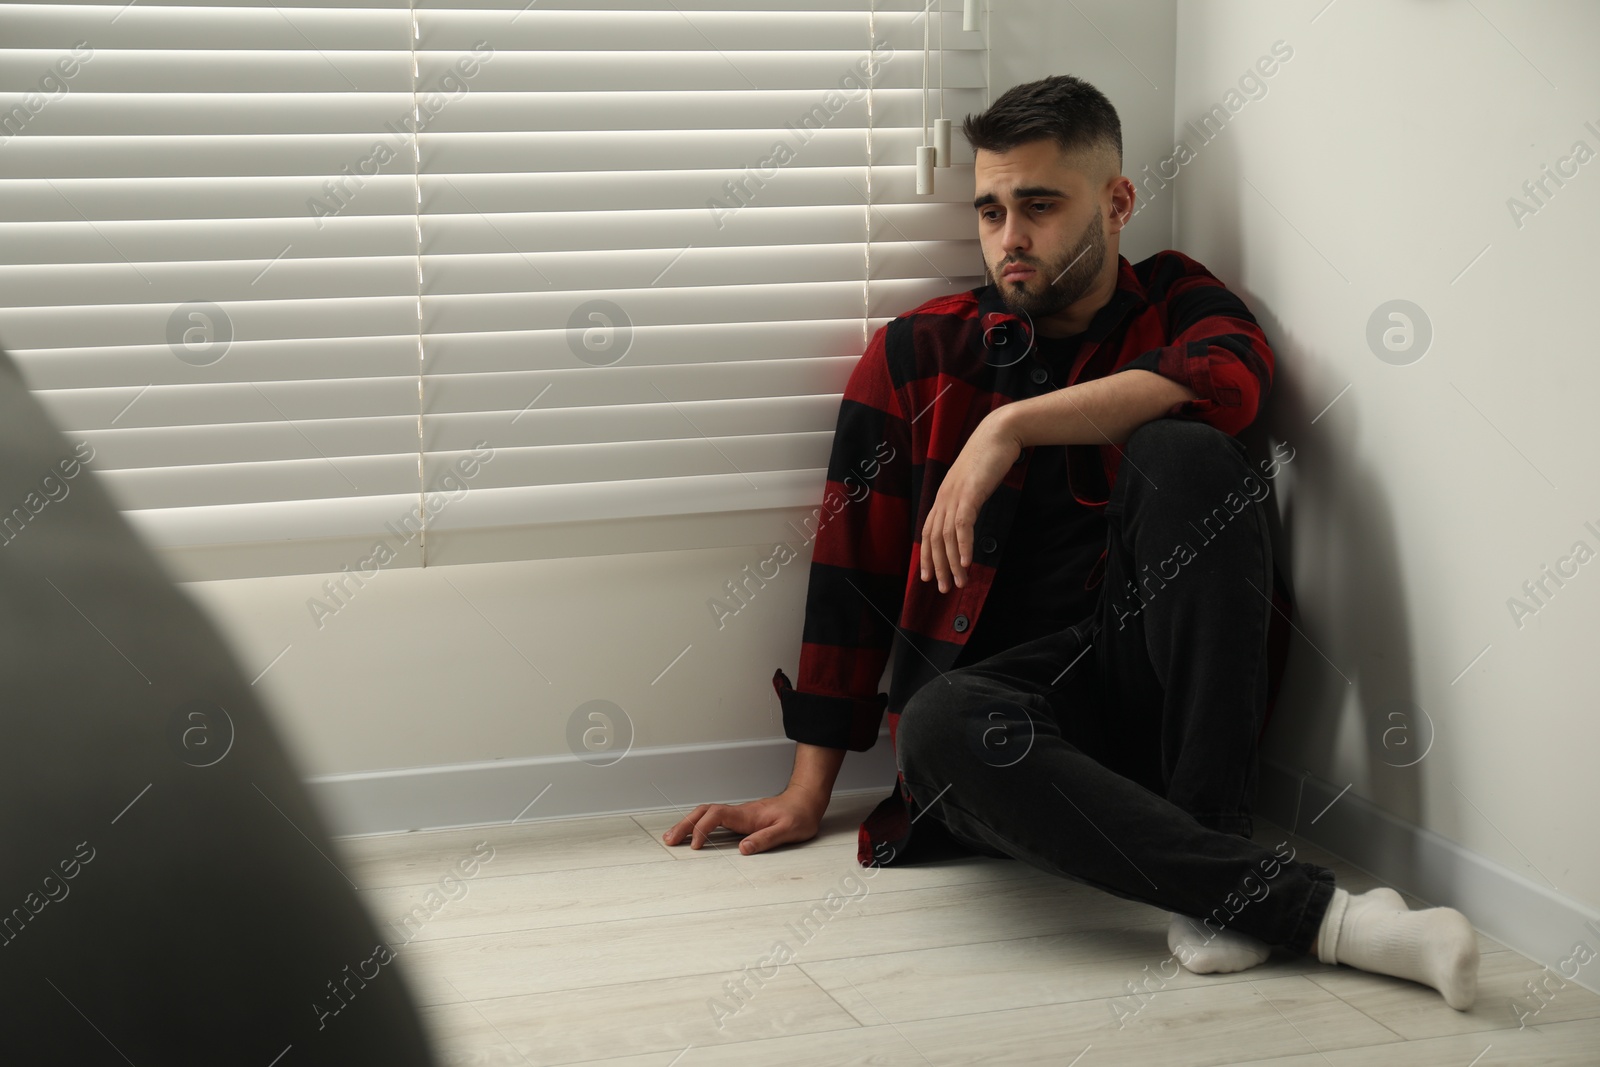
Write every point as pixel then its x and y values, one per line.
pixel 488 661
pixel 1378 167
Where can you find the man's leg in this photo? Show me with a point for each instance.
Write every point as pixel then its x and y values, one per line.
pixel 1009 753
pixel 1164 824
pixel 1182 629
pixel 1183 613
pixel 1183 642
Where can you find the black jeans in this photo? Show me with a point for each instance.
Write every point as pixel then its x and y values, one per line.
pixel 1121 752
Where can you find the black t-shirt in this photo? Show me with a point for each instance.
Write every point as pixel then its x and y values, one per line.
pixel 1052 546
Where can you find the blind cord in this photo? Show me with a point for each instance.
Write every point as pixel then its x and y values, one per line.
pixel 416 160
pixel 925 76
pixel 866 211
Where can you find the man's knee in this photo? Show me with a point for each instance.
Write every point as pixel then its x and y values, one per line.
pixel 930 722
pixel 1190 454
pixel 1183 438
pixel 954 722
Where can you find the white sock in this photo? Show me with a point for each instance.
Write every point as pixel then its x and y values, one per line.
pixel 1204 951
pixel 1376 932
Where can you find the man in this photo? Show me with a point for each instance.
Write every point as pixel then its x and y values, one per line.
pixel 1094 716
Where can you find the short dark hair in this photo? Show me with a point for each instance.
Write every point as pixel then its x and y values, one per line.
pixel 1067 110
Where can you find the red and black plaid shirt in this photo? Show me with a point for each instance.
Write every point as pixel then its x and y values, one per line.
pixel 924 383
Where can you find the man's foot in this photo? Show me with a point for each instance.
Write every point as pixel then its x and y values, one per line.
pixel 1376 932
pixel 1204 952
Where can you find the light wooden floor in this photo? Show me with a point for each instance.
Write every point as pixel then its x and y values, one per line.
pixel 590 941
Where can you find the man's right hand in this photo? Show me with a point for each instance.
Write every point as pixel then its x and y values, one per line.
pixel 790 816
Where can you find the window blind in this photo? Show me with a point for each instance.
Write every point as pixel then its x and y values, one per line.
pixel 297 272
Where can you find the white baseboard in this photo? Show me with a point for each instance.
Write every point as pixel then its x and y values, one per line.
pixel 503 791
pixel 1516 911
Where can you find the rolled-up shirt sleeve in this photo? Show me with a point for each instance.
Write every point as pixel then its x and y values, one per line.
pixel 857 580
pixel 1217 351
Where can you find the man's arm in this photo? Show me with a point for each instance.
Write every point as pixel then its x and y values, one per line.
pixel 1215 366
pixel 1215 348
pixel 815 770
pixel 1100 411
pixel 855 590
pixel 856 586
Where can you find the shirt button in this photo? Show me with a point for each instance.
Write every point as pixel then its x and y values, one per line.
pixel 1039 375
pixel 988 545
pixel 960 624
pixel 1021 456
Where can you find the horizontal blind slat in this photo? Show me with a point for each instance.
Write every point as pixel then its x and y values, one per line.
pixel 577 502
pixel 753 457
pixel 650 346
pixel 512 392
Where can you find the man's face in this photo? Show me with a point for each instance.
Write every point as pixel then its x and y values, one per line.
pixel 1042 227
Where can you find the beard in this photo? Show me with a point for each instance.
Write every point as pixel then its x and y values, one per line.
pixel 1062 281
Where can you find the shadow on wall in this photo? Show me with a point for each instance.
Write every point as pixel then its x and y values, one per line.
pixel 1334 531
pixel 1353 647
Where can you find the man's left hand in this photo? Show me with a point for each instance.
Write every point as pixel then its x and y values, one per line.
pixel 971 480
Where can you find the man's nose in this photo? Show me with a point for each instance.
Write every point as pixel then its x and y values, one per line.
pixel 1014 237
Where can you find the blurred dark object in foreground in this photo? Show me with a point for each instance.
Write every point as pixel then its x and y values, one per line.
pixel 168 895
